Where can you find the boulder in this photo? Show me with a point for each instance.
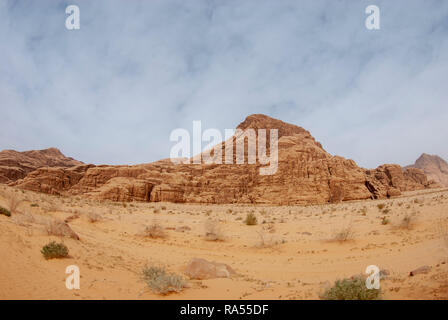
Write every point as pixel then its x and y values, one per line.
pixel 201 269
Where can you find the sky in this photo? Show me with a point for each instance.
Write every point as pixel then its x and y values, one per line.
pixel 113 91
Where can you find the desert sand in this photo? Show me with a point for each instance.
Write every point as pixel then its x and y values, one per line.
pixel 293 252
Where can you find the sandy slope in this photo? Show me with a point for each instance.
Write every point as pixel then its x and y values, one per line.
pixel 298 260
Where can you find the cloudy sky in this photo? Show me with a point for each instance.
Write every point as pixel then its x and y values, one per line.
pixel 113 91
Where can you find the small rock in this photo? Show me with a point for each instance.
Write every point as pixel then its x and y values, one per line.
pixel 421 270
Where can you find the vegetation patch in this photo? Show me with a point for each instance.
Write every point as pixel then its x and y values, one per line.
pixel 351 289
pixel 162 282
pixel 54 250
pixel 251 219
pixel 5 212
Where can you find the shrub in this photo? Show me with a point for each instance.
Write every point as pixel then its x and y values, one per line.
pixel 251 219
pixel 407 222
pixel 93 217
pixel 385 221
pixel 162 282
pixel 344 235
pixel 351 289
pixel 154 231
pixel 381 206
pixel 54 250
pixel 5 212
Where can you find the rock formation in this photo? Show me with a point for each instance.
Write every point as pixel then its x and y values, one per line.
pixel 16 165
pixel 434 167
pixel 306 174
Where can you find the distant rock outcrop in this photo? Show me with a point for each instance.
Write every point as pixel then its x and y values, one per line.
pixel 306 174
pixel 434 167
pixel 16 165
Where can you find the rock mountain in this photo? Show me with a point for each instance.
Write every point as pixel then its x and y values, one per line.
pixel 306 174
pixel 434 167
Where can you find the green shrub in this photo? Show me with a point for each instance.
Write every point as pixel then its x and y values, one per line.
pixel 54 250
pixel 5 212
pixel 351 289
pixel 251 219
pixel 162 282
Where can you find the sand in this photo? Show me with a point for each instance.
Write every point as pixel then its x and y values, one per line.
pixel 292 253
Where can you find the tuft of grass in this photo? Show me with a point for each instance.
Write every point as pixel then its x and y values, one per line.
pixel 5 212
pixel 251 219
pixel 351 289
pixel 54 250
pixel 93 217
pixel 162 282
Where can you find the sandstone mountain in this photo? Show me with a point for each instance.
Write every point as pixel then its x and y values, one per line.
pixel 16 165
pixel 306 174
pixel 434 167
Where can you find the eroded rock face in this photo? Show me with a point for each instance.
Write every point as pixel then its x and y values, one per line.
pixel 434 167
pixel 306 174
pixel 16 165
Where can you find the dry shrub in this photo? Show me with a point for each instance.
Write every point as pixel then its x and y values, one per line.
pixel 267 241
pixel 12 201
pixel 251 219
pixel 93 217
pixel 162 282
pixel 407 222
pixel 60 229
pixel 345 234
pixel 154 231
pixel 213 231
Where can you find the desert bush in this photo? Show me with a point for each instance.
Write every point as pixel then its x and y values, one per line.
pixel 381 206
pixel 161 282
pixel 344 235
pixel 407 222
pixel 156 210
pixel 351 289
pixel 5 212
pixel 385 221
pixel 154 231
pixel 213 231
pixel 54 250
pixel 251 219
